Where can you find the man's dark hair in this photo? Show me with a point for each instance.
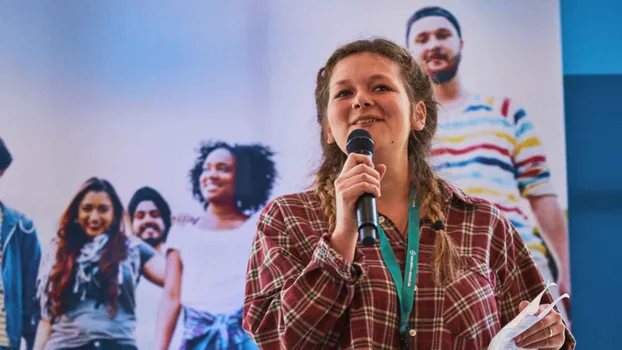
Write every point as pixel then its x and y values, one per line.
pixel 149 194
pixel 254 177
pixel 5 156
pixel 431 11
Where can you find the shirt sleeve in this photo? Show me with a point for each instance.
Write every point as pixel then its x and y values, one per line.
pixel 517 275
pixel 173 241
pixel 532 170
pixel 145 251
pixel 290 301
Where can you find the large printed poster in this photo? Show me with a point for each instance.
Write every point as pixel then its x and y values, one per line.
pixel 197 115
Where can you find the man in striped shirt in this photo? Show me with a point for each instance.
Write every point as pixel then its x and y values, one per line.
pixel 487 145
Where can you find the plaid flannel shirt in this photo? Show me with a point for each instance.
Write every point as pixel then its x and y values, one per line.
pixel 301 294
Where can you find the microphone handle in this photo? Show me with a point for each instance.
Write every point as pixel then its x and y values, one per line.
pixel 366 219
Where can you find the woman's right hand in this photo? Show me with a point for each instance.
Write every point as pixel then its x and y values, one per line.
pixel 358 176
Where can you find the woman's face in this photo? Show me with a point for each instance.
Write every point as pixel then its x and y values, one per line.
pixel 367 92
pixel 95 213
pixel 218 177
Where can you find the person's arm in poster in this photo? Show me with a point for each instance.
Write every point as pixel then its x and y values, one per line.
pixel 170 303
pixel 43 334
pixel 552 221
pixel 153 264
pixel 534 177
pixel 30 250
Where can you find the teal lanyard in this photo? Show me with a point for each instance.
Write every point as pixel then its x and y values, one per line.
pixel 405 288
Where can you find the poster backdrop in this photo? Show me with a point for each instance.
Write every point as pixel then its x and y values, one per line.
pixel 129 91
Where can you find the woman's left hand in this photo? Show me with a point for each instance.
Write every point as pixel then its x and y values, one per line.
pixel 548 333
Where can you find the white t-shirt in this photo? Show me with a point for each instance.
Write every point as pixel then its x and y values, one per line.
pixel 214 265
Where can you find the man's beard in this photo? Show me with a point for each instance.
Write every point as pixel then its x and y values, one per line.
pixel 152 241
pixel 448 74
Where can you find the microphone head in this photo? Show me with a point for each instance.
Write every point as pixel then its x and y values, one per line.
pixel 360 141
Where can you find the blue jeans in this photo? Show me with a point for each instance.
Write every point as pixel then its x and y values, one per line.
pixel 205 343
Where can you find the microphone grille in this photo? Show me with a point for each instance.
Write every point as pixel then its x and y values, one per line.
pixel 360 141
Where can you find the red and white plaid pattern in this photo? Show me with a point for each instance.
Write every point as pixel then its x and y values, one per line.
pixel 301 294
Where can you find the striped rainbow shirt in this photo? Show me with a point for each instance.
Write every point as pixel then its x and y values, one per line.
pixel 489 149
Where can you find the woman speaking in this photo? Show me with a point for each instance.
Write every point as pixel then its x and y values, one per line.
pixel 449 270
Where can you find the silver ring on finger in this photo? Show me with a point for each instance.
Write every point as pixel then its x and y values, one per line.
pixel 550 332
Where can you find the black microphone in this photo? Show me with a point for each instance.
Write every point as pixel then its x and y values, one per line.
pixel 360 141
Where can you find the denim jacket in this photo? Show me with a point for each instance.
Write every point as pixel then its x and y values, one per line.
pixel 21 254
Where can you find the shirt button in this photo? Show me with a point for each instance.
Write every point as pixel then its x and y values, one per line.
pixel 381 219
pixel 412 332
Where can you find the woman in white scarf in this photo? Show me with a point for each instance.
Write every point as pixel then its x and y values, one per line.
pixel 88 279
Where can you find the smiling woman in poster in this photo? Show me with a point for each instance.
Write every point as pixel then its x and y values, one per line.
pixel 88 279
pixel 232 182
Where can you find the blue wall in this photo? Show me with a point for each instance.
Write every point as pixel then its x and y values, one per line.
pixel 592 54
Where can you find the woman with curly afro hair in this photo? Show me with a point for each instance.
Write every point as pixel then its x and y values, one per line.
pixel 232 183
